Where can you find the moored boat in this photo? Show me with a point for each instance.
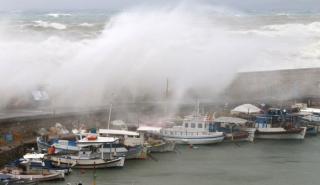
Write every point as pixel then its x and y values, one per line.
pixel 156 143
pixel 89 155
pixel 133 142
pixel 195 130
pixel 9 180
pixel 23 170
pixel 234 129
pixel 60 145
pixel 281 133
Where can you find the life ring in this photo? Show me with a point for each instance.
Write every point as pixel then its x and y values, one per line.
pixel 92 137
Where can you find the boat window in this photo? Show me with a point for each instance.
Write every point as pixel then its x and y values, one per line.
pixel 193 125
pixel 186 125
pixel 199 125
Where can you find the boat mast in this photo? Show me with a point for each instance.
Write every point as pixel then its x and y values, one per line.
pixel 166 97
pixel 109 119
pixel 197 108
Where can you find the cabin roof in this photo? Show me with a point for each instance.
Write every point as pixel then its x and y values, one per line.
pixel 233 120
pixel 118 132
pixel 99 140
pixel 149 129
pixel 311 110
pixel 33 156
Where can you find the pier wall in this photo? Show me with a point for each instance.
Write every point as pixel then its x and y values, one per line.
pixel 290 85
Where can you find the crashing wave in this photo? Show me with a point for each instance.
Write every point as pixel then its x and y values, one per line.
pixel 56 15
pixel 45 24
pixel 85 24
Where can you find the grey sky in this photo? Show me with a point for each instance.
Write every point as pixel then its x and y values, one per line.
pixel 251 5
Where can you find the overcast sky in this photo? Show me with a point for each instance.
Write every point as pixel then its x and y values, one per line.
pixel 248 5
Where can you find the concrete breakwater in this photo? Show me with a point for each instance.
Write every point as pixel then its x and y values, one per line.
pixel 18 132
pixel 12 152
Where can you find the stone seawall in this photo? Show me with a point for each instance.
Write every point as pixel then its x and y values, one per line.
pixel 23 130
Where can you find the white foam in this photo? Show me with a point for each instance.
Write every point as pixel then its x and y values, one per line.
pixel 56 15
pixel 139 49
pixel 45 24
pixel 85 24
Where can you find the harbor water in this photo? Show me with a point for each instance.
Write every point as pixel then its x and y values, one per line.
pixel 263 162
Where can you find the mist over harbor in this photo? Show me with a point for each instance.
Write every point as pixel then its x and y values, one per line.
pixel 88 58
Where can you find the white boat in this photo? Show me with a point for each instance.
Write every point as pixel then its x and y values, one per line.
pixel 38 161
pixel 61 145
pixel 280 133
pixel 90 156
pixel 40 176
pixel 194 130
pixel 132 141
pixel 23 170
pixel 266 130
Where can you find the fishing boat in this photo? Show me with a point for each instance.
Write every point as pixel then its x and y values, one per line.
pixel 23 170
pixel 234 129
pixel 133 142
pixel 8 180
pixel 38 161
pixel 155 142
pixel 90 154
pixel 265 130
pixel 194 130
pixel 281 133
pixel 60 145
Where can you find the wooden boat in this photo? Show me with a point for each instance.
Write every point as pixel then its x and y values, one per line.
pixel 60 145
pixel 236 136
pixel 90 163
pixel 89 156
pixel 38 161
pixel 234 129
pixel 162 146
pixel 39 176
pixel 8 180
pixel 281 133
pixel 132 141
pixel 154 141
pixel 24 171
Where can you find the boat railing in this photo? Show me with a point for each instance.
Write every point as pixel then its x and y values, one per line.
pixel 187 133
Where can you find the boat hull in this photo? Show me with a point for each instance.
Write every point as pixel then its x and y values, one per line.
pixel 87 163
pixel 39 177
pixel 167 146
pixel 137 152
pixel 237 137
pixel 281 134
pixel 196 140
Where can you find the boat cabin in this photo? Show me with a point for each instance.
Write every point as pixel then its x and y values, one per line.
pixel 128 138
pixel 227 124
pixel 198 123
pixel 90 147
